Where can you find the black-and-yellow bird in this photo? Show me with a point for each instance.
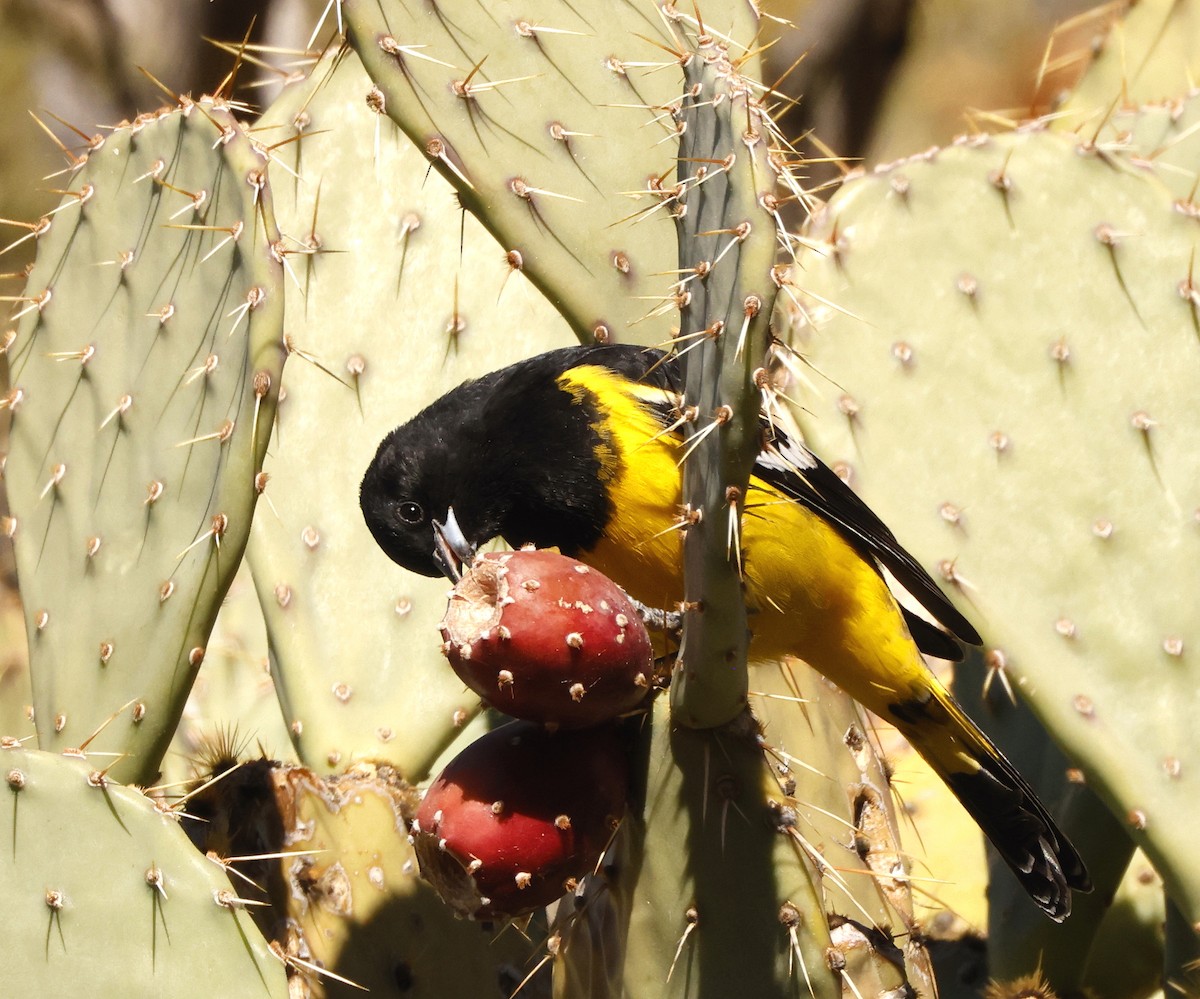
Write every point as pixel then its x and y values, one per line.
pixel 579 448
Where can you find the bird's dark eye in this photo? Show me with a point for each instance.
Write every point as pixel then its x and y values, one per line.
pixel 411 513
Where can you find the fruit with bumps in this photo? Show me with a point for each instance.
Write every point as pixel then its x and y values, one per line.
pixel 544 637
pixel 520 816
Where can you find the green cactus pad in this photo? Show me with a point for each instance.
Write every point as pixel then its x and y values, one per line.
pixel 105 895
pixel 1007 382
pixel 719 899
pixel 144 364
pixel 406 299
pixel 552 121
pixel 1148 55
pixel 233 709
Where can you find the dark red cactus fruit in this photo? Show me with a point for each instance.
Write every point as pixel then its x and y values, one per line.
pixel 541 636
pixel 519 816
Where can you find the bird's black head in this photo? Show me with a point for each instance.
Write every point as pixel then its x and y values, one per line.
pixel 419 491
pixel 398 503
pixel 510 454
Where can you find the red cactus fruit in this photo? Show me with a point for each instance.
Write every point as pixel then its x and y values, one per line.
pixel 541 636
pixel 519 816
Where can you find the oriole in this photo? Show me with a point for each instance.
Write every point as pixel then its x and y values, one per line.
pixel 579 448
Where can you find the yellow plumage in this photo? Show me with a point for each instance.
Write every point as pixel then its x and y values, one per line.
pixel 808 592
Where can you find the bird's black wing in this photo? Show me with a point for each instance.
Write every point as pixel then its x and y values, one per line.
pixel 796 472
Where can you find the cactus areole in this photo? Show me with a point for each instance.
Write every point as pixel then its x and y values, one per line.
pixel 544 637
pixel 519 817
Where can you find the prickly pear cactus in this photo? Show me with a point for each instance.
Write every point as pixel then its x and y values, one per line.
pixel 1040 345
pixel 524 111
pixel 145 359
pixel 396 298
pixel 103 892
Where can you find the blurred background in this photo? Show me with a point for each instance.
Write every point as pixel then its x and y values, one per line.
pixel 878 78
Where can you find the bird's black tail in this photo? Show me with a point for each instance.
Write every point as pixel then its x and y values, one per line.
pixel 1003 804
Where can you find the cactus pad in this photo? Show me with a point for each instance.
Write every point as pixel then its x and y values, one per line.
pixel 104 893
pixel 522 109
pixel 1008 386
pixel 397 297
pixel 144 363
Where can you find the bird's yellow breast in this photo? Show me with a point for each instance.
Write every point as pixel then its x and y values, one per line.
pixel 808 592
pixel 641 548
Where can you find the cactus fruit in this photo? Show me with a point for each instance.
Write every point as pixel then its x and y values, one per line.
pixel 523 112
pixel 541 636
pixel 397 297
pixel 145 360
pixel 1061 507
pixel 520 816
pixel 104 894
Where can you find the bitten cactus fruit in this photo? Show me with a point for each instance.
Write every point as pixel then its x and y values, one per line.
pixel 519 816
pixel 544 637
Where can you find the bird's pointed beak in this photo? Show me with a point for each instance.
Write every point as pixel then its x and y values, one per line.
pixel 451 550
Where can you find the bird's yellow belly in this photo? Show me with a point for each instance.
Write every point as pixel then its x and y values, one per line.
pixel 808 592
pixel 811 595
